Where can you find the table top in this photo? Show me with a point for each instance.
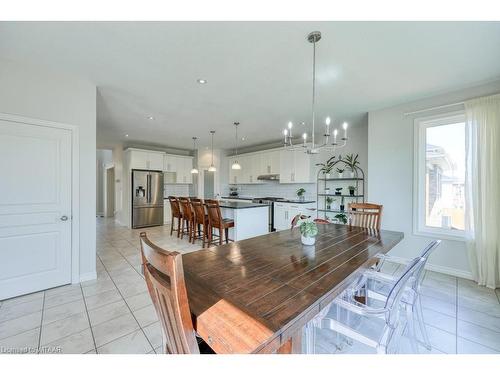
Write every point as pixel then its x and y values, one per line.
pixel 276 282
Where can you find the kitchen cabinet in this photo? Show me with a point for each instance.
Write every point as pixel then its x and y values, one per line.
pixel 284 212
pixel 270 162
pixel 181 166
pixel 295 167
pixel 234 174
pixel 143 159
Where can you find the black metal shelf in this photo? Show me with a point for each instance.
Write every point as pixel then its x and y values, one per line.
pixel 342 179
pixel 343 195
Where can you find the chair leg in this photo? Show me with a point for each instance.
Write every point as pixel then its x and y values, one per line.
pixel 178 226
pixel 421 323
pixel 226 233
pixel 182 229
pixel 411 328
pixel 172 225
pixel 221 234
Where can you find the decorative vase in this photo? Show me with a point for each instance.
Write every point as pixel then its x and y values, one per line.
pixel 308 241
pixel 301 198
pixel 340 175
pixel 351 192
pixel 328 207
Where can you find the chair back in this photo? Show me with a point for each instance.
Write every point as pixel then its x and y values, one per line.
pixel 365 215
pixel 164 276
pixel 214 214
pixel 187 213
pixel 429 249
pixel 212 201
pixel 198 211
pixel 174 206
pixel 195 200
pixel 406 279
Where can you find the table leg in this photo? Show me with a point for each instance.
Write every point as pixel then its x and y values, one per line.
pixel 293 345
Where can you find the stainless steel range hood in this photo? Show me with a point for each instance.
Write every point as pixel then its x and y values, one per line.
pixel 269 177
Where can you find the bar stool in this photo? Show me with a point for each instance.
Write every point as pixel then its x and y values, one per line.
pixel 216 221
pixel 200 223
pixel 176 214
pixel 187 218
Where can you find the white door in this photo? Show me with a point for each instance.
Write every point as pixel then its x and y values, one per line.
pixel 35 208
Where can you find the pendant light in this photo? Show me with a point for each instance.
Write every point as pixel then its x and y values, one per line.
pixel 194 170
pixel 212 166
pixel 236 165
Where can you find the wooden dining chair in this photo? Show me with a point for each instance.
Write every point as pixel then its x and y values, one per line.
pixel 365 215
pixel 200 223
pixel 216 221
pixel 176 214
pixel 187 218
pixel 164 276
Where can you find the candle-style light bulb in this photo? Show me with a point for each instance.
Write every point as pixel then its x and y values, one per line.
pixel 344 125
pixel 327 126
pixel 328 120
pixel 304 136
pixel 290 125
pixel 335 131
pixel 285 132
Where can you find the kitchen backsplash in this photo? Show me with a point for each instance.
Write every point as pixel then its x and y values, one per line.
pixel 273 189
pixel 177 190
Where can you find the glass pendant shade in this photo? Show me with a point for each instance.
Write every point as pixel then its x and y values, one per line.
pixel 212 168
pixel 236 165
pixel 194 171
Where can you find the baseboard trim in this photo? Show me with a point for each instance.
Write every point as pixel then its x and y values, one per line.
pixel 436 268
pixel 88 276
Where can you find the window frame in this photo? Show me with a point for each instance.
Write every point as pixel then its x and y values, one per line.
pixel 419 161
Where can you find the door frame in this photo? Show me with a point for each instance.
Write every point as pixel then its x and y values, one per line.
pixel 75 183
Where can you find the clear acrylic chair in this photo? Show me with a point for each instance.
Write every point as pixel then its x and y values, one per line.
pixel 346 316
pixel 378 286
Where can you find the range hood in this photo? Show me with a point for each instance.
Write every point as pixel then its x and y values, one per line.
pixel 269 177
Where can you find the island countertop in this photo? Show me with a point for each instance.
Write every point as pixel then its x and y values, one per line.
pixel 240 205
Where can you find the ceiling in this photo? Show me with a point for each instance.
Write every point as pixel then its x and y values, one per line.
pixel 258 73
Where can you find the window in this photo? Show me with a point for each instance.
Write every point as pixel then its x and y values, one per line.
pixel 440 176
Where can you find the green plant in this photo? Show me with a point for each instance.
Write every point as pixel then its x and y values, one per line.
pixel 329 200
pixel 327 166
pixel 338 191
pixel 352 161
pixel 307 227
pixel 340 170
pixel 301 192
pixel 352 188
pixel 341 218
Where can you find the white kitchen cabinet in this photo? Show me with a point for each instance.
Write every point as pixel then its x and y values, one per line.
pixel 170 163
pixel 181 166
pixel 295 167
pixel 284 212
pixel 143 159
pixel 270 162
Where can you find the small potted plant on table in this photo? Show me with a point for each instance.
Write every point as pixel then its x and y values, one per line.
pixel 352 189
pixel 300 193
pixel 308 229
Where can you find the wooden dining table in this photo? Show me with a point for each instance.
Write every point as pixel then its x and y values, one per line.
pixel 256 295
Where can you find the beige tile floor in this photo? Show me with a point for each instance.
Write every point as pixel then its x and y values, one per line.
pixel 114 314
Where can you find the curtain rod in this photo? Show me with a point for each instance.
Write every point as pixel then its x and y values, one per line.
pixel 431 108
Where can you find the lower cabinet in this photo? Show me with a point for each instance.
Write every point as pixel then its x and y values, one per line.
pixel 284 213
pixel 167 212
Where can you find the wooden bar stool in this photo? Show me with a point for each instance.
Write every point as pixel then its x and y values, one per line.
pixel 164 276
pixel 365 215
pixel 187 218
pixel 200 221
pixel 176 214
pixel 216 221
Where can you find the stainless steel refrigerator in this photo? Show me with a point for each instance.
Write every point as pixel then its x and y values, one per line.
pixel 147 198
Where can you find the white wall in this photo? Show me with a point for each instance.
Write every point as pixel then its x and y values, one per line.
pixel 103 158
pixel 42 94
pixel 390 165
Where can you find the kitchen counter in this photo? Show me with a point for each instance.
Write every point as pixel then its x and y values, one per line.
pixel 239 205
pixel 239 198
pixel 296 201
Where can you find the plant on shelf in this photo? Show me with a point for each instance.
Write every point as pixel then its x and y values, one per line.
pixel 342 206
pixel 352 189
pixel 338 191
pixel 329 201
pixel 340 171
pixel 308 228
pixel 300 193
pixel 352 163
pixel 341 218
pixel 326 168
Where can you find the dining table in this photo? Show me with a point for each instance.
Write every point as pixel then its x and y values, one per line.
pixel 256 295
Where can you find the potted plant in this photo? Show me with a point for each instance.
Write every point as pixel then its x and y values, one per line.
pixel 329 201
pixel 342 204
pixel 338 191
pixel 327 190
pixel 327 167
pixel 340 171
pixel 308 229
pixel 300 193
pixel 341 218
pixel 352 189
pixel 352 163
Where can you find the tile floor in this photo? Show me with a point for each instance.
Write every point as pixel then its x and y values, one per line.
pixel 114 314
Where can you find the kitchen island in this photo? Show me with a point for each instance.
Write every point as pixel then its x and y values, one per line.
pixel 250 219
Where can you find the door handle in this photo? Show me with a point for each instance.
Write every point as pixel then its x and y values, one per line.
pixel 64 218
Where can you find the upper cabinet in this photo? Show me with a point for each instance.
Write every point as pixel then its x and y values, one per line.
pixel 143 159
pixel 159 161
pixel 291 166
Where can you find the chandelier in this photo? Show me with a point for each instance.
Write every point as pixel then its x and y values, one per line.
pixel 312 147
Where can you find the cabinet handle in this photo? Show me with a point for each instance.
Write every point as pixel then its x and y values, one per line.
pixel 268 169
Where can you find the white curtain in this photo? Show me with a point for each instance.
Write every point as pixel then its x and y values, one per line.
pixel 482 189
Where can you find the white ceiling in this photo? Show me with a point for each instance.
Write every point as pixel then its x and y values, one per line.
pixel 259 73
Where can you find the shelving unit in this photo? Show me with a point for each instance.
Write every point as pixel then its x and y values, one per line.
pixel 358 180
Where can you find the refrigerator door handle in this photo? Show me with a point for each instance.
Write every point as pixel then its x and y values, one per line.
pixel 149 188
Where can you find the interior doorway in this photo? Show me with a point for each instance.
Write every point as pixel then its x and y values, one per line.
pixel 109 192
pixel 208 184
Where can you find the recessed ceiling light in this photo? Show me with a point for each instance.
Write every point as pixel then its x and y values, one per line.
pixel 242 138
pixel 151 118
pixel 201 81
pixel 126 135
